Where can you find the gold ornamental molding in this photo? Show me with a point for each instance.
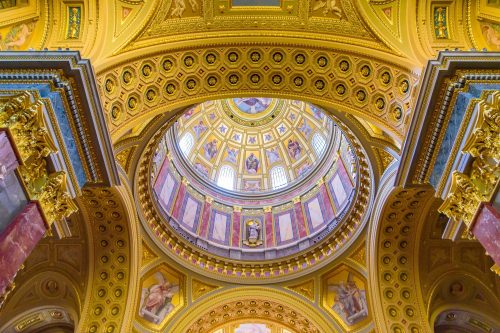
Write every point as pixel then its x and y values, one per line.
pixel 392 257
pixel 22 116
pixel 469 190
pixel 140 86
pixel 295 313
pixel 229 269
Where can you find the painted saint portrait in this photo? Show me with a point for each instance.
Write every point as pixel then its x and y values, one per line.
pixel 273 155
pixel 252 105
pixel 349 297
pixel 252 164
pixel 210 149
pixel 232 155
pixel 156 299
pixel 294 149
pixel 199 129
pixel 491 33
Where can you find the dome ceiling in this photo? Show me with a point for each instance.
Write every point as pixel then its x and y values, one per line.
pixel 253 144
pixel 253 137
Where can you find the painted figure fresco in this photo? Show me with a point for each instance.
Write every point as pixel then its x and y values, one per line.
pixel 273 155
pixel 251 185
pixel 294 149
pixel 156 299
pixel 188 113
pixel 305 129
pixel 201 169
pixel 491 33
pixel 17 37
pixel 304 168
pixel 252 328
pixel 350 301
pixel 252 105
pixel 210 149
pixel 232 155
pixel 317 112
pixel 252 164
pixel 199 129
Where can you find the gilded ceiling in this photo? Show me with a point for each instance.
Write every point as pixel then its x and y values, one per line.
pixel 252 83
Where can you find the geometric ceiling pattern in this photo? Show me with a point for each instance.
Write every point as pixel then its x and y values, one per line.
pixel 254 144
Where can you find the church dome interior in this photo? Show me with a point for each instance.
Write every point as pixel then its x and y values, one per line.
pixel 249 166
pixel 277 173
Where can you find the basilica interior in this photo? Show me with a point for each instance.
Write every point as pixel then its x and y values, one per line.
pixel 250 166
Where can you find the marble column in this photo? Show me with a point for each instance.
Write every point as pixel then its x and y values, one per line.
pixel 486 229
pixel 17 242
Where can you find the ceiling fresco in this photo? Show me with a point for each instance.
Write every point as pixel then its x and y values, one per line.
pixel 254 139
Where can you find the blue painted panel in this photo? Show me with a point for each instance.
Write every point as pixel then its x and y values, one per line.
pixel 457 115
pixel 62 121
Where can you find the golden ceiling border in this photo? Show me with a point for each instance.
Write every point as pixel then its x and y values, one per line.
pixel 328 75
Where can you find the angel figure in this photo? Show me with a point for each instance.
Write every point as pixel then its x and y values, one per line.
pixel 156 300
pixel 328 6
pixel 349 300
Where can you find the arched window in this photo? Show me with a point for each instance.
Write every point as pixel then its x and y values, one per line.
pixel 186 143
pixel 319 144
pixel 226 177
pixel 278 177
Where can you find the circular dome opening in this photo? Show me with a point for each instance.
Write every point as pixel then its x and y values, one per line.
pixel 254 178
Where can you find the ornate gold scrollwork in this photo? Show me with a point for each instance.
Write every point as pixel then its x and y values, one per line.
pixel 22 115
pixel 468 191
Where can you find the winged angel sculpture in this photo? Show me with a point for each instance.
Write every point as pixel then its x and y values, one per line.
pixel 156 300
pixel 328 6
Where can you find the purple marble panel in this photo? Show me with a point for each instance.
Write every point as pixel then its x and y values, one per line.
pixel 17 242
pixel 178 201
pixel 299 219
pixel 205 217
pixel 268 216
pixel 486 229
pixel 236 229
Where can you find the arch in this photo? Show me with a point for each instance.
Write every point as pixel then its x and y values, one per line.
pixel 214 311
pixel 278 177
pixel 226 177
pixel 332 69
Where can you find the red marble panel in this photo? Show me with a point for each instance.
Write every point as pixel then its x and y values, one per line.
pixel 178 201
pixel 486 229
pixel 8 159
pixel 205 219
pixel 301 223
pixel 236 229
pixel 268 216
pixel 17 242
pixel 327 204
